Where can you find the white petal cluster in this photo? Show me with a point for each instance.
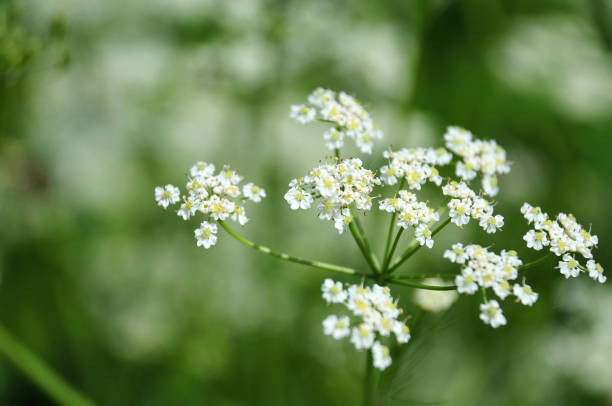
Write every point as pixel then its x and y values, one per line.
pixel 484 157
pixel 411 213
pixel 415 165
pixel 333 187
pixel 350 118
pixel 217 196
pixel 374 315
pixel 483 269
pixel 565 238
pixel 466 205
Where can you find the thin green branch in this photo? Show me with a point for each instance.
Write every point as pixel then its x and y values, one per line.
pixel 422 276
pixel 417 285
pixel 362 248
pixel 364 238
pixel 387 257
pixel 390 255
pixel 35 369
pixel 325 266
pixel 535 263
pixel 265 250
pixel 414 246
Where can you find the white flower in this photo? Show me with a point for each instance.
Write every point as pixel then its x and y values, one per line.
pixel 401 331
pixel 188 209
pixel 253 192
pixel 536 239
pixel 363 336
pixel 381 356
pixel 202 169
pixel 206 235
pixel 492 223
pixel 239 215
pixel 333 291
pixel 502 289
pixel 460 211
pixel 525 294
pixel 491 313
pixel 456 254
pixel 167 195
pixel 342 220
pixel 298 198
pixel 220 209
pixel 337 327
pixel 533 214
pixel 569 267
pixel 423 235
pixel 489 185
pixel 302 113
pixel 466 282
pixel 596 271
pixel 334 138
pixel 465 170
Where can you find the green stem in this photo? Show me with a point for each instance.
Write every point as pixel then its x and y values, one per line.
pixel 416 285
pixel 535 263
pixel 414 246
pixel 484 294
pixel 390 255
pixel 428 275
pixel 362 247
pixel 368 380
pixel 35 369
pixel 265 250
pixel 364 238
pixel 325 266
pixel 387 257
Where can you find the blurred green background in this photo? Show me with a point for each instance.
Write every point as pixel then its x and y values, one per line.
pixel 102 101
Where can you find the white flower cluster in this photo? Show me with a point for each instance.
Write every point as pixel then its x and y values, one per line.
pixel 566 238
pixel 485 269
pixel 415 165
pixel 465 204
pixel 334 187
pixel 350 118
pixel 485 157
pixel 412 213
pixel 218 197
pixel 375 315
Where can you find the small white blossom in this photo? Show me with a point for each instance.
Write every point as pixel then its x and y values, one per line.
pixel 456 254
pixel 569 267
pixel 298 199
pixel 466 282
pixel 253 192
pixel 188 209
pixel 502 289
pixel 596 271
pixel 536 239
pixel 302 113
pixel 423 235
pixel 491 314
pixel 525 294
pixel 381 356
pixel 492 223
pixel 363 336
pixel 333 291
pixel 167 195
pixel 337 327
pixel 401 331
pixel 206 235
